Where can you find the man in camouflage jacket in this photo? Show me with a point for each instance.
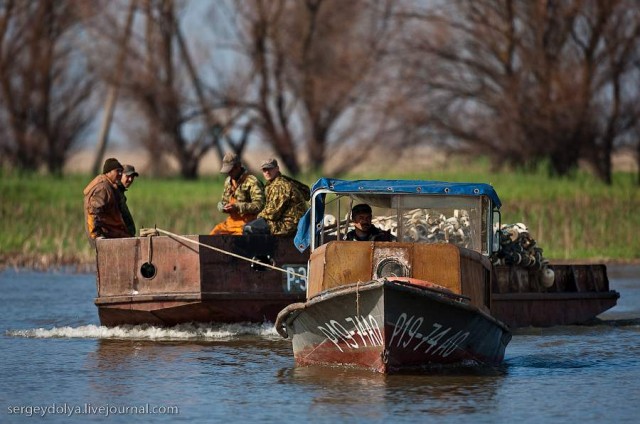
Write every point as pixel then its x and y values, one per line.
pixel 286 200
pixel 242 198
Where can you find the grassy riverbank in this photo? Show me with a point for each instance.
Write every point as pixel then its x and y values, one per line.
pixel 41 219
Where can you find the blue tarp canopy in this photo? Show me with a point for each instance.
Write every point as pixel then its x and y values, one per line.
pixel 303 236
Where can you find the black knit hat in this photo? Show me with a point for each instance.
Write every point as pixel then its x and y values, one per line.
pixel 111 164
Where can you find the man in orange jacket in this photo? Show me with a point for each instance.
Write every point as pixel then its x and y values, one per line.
pixel 242 198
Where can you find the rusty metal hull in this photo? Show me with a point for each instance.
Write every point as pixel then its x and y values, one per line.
pixel 392 327
pixel 167 281
pixel 195 284
pixel 578 295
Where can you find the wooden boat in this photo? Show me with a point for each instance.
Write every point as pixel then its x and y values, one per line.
pixel 404 305
pixel 168 280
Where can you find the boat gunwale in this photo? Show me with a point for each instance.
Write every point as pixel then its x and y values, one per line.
pixel 290 312
pixel 611 294
pixel 193 296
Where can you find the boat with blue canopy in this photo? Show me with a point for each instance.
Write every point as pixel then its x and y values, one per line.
pixel 417 301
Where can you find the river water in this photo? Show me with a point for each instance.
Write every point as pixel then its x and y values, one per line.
pixel 57 362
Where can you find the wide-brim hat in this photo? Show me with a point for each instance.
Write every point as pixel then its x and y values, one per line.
pixel 228 162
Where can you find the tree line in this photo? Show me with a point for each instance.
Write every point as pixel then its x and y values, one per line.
pixel 525 83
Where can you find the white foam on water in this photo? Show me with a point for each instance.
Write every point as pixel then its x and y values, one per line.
pixel 147 332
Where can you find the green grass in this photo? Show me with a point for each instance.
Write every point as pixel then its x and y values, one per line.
pixel 42 219
pixel 42 222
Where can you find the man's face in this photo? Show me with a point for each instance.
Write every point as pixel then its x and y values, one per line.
pixel 270 173
pixel 127 180
pixel 362 222
pixel 114 175
pixel 235 172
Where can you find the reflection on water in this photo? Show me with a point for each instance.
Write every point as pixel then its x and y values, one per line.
pixel 440 394
pixel 132 362
pixel 447 395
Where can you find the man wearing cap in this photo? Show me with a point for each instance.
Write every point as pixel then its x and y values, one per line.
pixel 364 230
pixel 128 175
pixel 242 198
pixel 103 218
pixel 286 200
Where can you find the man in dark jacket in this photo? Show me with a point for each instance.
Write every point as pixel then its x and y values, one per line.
pixel 128 175
pixel 364 230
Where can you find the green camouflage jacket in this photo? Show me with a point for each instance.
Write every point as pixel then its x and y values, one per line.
pixel 286 203
pixel 249 194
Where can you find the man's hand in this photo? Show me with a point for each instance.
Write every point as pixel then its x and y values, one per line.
pixel 229 208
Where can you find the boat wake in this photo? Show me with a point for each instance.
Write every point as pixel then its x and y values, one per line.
pixel 200 332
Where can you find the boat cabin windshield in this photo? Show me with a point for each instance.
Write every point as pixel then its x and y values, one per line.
pixel 461 220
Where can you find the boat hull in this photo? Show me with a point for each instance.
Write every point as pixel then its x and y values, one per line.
pixel 194 284
pixel 579 293
pixel 166 281
pixel 391 327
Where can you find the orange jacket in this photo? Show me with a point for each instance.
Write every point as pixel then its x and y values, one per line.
pixel 102 211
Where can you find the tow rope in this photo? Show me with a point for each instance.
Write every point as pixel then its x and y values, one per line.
pixel 150 232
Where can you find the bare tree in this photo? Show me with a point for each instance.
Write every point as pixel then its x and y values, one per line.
pixel 526 81
pixel 161 88
pixel 45 83
pixel 314 66
pixel 164 86
pixel 114 87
